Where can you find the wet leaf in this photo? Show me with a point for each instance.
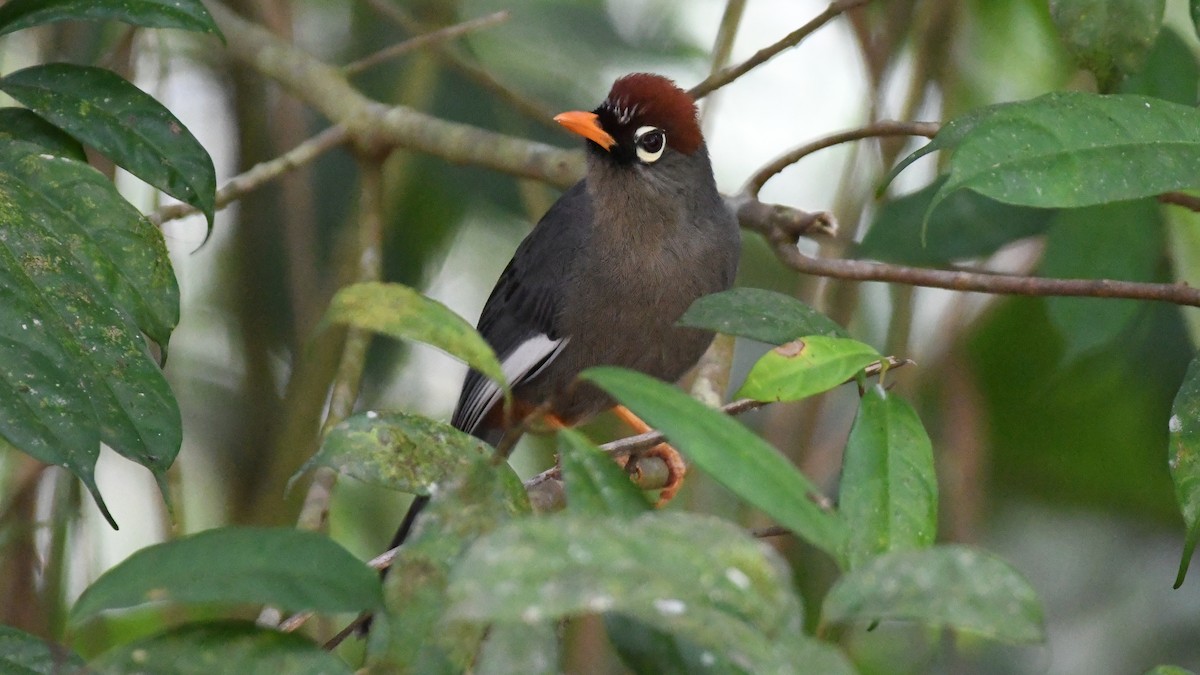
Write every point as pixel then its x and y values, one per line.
pixel 403 313
pixel 291 569
pixel 82 271
pixel 221 647
pixel 954 586
pixel 397 450
pixel 760 315
pixel 594 482
pixel 1110 38
pixel 25 654
pixel 1184 452
pixel 728 452
pixel 124 123
pixel 889 493
pixel 805 367
pixel 689 575
pixel 183 14
pixel 19 124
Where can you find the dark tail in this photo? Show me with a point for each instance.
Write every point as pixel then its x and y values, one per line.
pixel 414 509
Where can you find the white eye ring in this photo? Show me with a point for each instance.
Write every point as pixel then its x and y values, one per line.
pixel 650 143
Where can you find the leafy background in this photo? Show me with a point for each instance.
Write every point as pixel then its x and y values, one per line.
pixel 1048 417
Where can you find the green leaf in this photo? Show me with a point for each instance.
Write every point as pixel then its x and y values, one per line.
pixel 77 263
pixel 1168 670
pixel 124 123
pixel 594 482
pixel 184 14
pixel 397 450
pixel 293 570
pixel 967 225
pixel 805 367
pixel 689 575
pixel 1184 452
pixel 955 586
pixel 1073 149
pixel 25 654
pixel 1171 72
pixel 519 648
pixel 221 647
pixel 1108 37
pixel 411 636
pixel 1122 241
pixel 649 651
pixel 19 124
pixel 760 315
pixel 889 488
pixel 403 313
pixel 1194 7
pixel 728 452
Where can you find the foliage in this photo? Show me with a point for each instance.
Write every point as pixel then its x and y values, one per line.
pixel 486 584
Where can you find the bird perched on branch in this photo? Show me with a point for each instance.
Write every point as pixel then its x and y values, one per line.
pixel 609 269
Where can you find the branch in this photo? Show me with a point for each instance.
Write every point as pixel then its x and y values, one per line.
pixel 784 244
pixel 1183 199
pixel 260 174
pixel 718 80
pixel 427 40
pixel 875 129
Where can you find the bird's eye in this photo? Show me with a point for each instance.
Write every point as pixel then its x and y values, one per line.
pixel 650 143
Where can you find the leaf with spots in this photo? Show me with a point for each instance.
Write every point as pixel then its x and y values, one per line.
pixel 1071 149
pixel 221 647
pixel 760 315
pixel 294 570
pixel 1184 451
pixel 689 575
pixel 81 271
pixel 953 586
pixel 806 367
pixel 19 124
pixel 402 313
pixel 1110 38
pixel 122 122
pixel 888 486
pixel 182 14
pixel 397 450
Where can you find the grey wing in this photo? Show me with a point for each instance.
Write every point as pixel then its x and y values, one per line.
pixel 520 318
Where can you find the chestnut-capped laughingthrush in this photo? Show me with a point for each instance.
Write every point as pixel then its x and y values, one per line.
pixel 610 268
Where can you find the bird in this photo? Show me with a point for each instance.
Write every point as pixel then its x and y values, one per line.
pixel 607 272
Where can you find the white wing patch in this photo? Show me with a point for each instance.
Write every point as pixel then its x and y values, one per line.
pixel 521 364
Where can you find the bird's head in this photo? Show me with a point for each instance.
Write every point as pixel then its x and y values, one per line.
pixel 644 119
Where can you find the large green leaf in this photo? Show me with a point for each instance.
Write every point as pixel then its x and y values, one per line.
pixel 184 14
pixel 689 575
pixel 594 483
pixel 955 586
pixel 221 647
pixel 21 124
pixel 1073 149
pixel 77 263
pixel 889 488
pixel 1171 72
pixel 124 123
pixel 25 654
pixel 1122 241
pixel 397 450
pixel 966 225
pixel 729 452
pixel 806 367
pixel 294 570
pixel 1184 453
pixel 411 635
pixel 403 313
pixel 760 315
pixel 1108 37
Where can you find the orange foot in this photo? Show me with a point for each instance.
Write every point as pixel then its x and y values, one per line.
pixel 676 467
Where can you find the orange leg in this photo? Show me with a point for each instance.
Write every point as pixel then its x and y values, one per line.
pixel 676 468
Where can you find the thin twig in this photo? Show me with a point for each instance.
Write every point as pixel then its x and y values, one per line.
pixel 882 128
pixel 718 80
pixel 1183 199
pixel 978 282
pixel 260 174
pixel 426 40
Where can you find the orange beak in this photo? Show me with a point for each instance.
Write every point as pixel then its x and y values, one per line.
pixel 586 124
